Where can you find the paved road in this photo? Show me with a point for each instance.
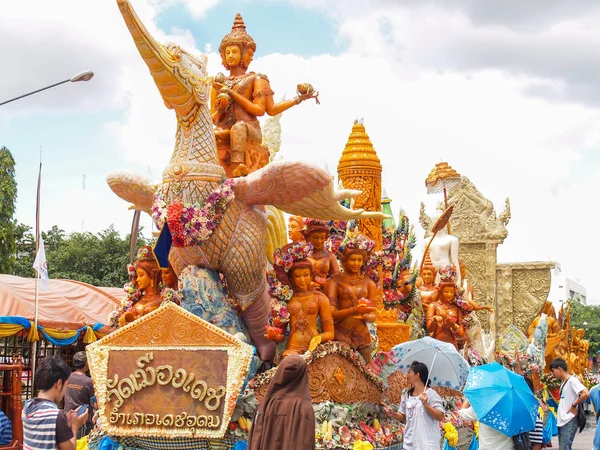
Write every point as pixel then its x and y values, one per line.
pixel 583 440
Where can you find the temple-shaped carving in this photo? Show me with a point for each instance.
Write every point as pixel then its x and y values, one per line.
pixel 516 291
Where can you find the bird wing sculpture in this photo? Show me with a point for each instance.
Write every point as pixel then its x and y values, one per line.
pixel 299 188
pixel 135 189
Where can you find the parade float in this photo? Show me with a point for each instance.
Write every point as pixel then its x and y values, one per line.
pixel 223 296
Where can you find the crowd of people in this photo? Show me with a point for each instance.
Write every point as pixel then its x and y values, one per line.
pixel 285 417
pixel 45 425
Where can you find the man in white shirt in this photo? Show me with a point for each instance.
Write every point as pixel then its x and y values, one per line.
pixel 489 438
pixel 572 393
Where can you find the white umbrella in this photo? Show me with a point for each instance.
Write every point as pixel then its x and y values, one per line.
pixel 447 368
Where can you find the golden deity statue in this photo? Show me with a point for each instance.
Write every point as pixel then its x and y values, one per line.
pixel 169 278
pixel 146 280
pixel 556 336
pixel 324 262
pixel 444 316
pixel 295 227
pixel 352 296
pixel 426 283
pixel 578 359
pixel 238 99
pixel 305 305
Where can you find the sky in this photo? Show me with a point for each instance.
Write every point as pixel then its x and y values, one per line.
pixel 506 92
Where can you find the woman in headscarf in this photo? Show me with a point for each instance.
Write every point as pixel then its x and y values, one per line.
pixel 285 418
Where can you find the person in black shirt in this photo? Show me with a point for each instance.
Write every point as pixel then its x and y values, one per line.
pixel 80 390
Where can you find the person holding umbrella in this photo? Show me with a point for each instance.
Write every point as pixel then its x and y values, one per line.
pixel 503 404
pixel 421 409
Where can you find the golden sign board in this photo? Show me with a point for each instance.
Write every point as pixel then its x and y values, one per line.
pixel 168 373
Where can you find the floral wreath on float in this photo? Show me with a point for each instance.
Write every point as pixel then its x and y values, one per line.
pixel 192 224
pixel 281 292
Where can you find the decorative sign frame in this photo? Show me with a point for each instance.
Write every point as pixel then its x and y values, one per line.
pixel 168 374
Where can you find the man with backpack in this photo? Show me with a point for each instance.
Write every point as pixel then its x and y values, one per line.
pixel 572 394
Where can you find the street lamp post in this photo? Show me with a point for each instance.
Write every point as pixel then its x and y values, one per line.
pixel 86 75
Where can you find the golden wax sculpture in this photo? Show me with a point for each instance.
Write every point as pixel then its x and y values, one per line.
pixel 360 168
pixel 517 290
pixel 168 374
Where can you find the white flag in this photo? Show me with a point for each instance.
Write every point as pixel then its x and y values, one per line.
pixel 41 266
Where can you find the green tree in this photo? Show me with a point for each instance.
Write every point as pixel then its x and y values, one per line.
pixel 99 259
pixel 25 253
pixel 8 197
pixel 588 318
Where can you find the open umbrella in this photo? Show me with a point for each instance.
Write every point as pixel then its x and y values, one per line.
pixel 501 399
pixel 447 367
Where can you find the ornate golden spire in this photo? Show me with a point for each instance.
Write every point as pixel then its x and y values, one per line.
pixel 359 154
pixel 237 36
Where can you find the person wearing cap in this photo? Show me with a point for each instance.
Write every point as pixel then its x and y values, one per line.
pixel 80 390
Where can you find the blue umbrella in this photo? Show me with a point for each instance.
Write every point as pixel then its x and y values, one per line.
pixel 501 399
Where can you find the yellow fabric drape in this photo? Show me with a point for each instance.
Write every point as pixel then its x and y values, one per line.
pixel 89 336
pixel 8 329
pixel 60 334
pixel 99 335
pixel 33 333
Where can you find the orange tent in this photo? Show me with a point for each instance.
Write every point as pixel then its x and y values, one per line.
pixel 66 305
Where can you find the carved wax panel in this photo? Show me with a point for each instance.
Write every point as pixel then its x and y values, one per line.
pixel 512 340
pixel 168 374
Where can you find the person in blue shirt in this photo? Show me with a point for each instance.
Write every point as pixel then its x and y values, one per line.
pixel 595 398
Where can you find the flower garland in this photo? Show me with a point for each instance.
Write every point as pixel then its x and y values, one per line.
pixel 280 294
pixel 171 295
pixel 133 295
pixel 328 348
pixel 286 257
pixel 193 224
pixel 451 434
pixel 448 274
pixel 550 381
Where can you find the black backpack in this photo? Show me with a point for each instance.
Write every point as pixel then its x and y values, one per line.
pixel 522 441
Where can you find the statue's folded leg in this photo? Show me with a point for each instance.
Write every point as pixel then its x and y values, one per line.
pixel 256 316
pixel 243 265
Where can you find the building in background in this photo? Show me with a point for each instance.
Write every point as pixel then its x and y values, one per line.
pixel 564 288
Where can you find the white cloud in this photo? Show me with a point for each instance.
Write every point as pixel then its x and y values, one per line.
pixel 423 101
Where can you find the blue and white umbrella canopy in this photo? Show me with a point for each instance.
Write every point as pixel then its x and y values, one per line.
pixel 447 368
pixel 501 399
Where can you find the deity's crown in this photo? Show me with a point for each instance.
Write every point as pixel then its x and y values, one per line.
pixel 146 253
pixel 448 274
pixel 238 36
pixel 288 255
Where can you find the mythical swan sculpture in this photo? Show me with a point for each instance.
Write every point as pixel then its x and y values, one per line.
pixel 236 248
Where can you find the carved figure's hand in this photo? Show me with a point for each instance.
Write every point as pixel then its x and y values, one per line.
pixel 364 309
pixel 371 317
pixel 308 96
pixel 439 320
pixel 222 103
pixel 274 334
pixel 217 86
